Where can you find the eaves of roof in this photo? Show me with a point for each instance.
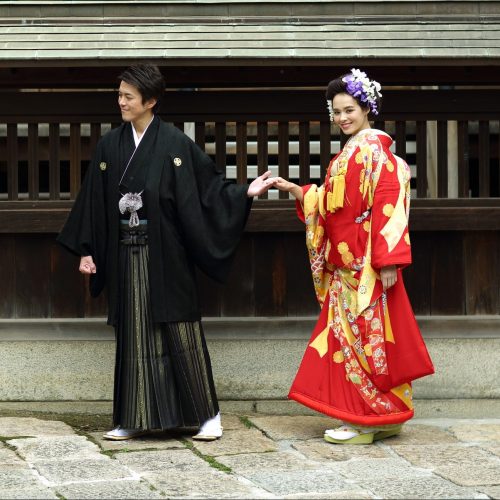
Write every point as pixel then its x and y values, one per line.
pixel 203 42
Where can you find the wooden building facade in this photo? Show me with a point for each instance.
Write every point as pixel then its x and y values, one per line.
pixel 246 80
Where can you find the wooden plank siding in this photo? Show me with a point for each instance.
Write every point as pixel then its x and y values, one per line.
pixel 270 40
pixel 46 142
pixel 269 277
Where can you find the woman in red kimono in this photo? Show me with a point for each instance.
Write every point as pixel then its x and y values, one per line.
pixel 366 347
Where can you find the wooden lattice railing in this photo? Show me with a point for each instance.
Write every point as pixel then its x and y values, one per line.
pixel 449 138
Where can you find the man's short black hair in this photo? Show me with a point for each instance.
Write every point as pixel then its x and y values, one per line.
pixel 147 79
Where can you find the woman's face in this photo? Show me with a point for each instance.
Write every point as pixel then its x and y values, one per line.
pixel 349 115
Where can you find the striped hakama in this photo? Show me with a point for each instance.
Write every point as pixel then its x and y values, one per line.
pixel 163 374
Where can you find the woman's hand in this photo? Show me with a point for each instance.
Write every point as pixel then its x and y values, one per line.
pixel 87 265
pixel 289 187
pixel 260 185
pixel 388 276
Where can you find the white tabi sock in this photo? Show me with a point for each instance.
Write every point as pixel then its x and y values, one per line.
pixel 212 425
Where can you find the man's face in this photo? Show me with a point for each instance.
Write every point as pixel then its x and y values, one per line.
pixel 131 105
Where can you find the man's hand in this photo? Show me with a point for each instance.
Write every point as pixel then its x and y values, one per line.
pixel 87 265
pixel 260 185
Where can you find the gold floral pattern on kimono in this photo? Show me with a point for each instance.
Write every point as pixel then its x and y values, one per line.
pixel 348 243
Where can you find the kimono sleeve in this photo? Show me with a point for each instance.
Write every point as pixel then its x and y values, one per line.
pixel 312 212
pixel 212 211
pixel 299 206
pixel 85 230
pixel 389 227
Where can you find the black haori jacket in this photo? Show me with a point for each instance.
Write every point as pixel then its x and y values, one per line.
pixel 195 217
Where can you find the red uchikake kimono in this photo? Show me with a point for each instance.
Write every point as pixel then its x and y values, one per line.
pixel 366 347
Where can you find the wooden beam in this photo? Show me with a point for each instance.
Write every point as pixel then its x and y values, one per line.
pixel 214 73
pixel 276 216
pixel 254 105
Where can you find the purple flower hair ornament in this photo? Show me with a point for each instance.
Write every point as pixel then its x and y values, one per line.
pixel 361 87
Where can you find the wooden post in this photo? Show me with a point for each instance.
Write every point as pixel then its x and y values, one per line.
pixel 283 154
pixel 324 148
pixel 262 151
pixel 12 162
pixel 54 162
pixel 199 134
pixel 421 140
pixel 241 152
pixel 401 139
pixel 442 159
pixel 463 158
pixel 75 162
pixel 33 167
pixel 484 159
pixel 220 146
pixel 304 154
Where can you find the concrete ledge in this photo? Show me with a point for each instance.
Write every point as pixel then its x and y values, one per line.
pixel 255 328
pixel 254 359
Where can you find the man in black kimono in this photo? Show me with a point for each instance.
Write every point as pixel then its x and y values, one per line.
pixel 151 208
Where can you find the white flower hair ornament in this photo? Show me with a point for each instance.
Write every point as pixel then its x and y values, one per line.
pixel 330 109
pixel 361 87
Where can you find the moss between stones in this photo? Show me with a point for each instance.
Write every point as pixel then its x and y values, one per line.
pixel 246 422
pixel 208 458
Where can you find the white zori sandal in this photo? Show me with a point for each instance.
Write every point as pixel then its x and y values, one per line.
pixel 210 430
pixel 120 434
pixel 345 434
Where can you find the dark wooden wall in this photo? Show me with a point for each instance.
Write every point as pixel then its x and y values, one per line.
pixel 453 273
pixel 455 242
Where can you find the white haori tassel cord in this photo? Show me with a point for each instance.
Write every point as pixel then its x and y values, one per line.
pixel 131 202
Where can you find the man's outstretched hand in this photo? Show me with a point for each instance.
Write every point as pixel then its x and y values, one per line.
pixel 260 185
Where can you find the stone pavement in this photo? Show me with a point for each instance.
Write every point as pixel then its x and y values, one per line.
pixel 259 456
